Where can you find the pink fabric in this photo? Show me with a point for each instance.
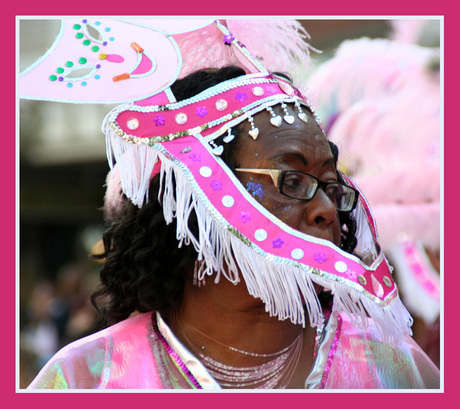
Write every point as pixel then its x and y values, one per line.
pixel 130 355
pixel 363 361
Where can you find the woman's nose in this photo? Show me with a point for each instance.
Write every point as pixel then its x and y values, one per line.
pixel 321 210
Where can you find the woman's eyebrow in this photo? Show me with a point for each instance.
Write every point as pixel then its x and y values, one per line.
pixel 328 162
pixel 283 157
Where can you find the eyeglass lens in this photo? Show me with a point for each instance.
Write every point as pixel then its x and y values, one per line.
pixel 302 186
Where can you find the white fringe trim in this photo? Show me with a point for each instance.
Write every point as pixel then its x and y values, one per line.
pixel 284 287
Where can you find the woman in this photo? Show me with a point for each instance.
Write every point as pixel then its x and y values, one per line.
pixel 239 172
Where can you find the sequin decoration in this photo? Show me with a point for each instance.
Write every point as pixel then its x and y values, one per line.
pixel 341 266
pixel 362 280
pixel 352 275
pixel 320 257
pixel 245 217
pixel 286 88
pixel 241 96
pixel 297 254
pixel 205 171
pixel 278 243
pixel 216 185
pixel 196 157
pixel 377 287
pixel 159 120
pixel 228 201
pixel 387 281
pixel 201 111
pixel 260 235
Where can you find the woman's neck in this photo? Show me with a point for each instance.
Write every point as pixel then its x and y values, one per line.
pixel 223 322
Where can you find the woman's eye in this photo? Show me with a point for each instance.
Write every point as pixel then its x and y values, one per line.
pixel 292 180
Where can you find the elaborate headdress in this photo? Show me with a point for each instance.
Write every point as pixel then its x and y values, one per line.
pixel 152 133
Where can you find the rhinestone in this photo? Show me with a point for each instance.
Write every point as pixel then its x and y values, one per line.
pixel 186 150
pixel 260 235
pixel 297 254
pixel 228 201
pixel 181 118
pixel 221 104
pixel 341 266
pixel 362 279
pixel 258 91
pixel 132 123
pixel 387 281
pixel 205 171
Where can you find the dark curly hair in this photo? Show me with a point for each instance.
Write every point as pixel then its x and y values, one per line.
pixel 144 269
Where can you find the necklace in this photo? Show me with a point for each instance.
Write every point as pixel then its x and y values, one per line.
pixel 275 373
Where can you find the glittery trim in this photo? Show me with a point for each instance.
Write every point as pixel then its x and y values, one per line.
pixel 332 351
pixel 178 362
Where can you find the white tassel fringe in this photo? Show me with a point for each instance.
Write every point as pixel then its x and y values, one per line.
pixel 286 290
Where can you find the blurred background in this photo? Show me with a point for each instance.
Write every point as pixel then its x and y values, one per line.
pixel 63 167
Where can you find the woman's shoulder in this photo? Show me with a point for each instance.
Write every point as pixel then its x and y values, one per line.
pixel 81 363
pixel 407 363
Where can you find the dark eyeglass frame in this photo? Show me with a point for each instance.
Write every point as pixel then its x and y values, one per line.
pixel 278 177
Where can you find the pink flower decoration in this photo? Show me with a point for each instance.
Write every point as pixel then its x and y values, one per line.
pixel 229 38
pixel 241 96
pixel 195 157
pixel 201 111
pixel 216 185
pixel 320 258
pixel 159 120
pixel 245 217
pixel 271 88
pixel 351 275
pixel 277 243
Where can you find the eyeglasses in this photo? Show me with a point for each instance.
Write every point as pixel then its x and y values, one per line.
pixel 302 186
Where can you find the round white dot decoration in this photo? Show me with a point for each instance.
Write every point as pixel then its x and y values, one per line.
pixel 260 235
pixel 297 254
pixel 228 201
pixel 205 171
pixel 341 267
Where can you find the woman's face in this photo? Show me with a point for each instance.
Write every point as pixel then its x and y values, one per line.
pixel 301 147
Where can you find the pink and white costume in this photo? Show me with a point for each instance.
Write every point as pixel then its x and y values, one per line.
pixel 237 237
pixel 134 355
